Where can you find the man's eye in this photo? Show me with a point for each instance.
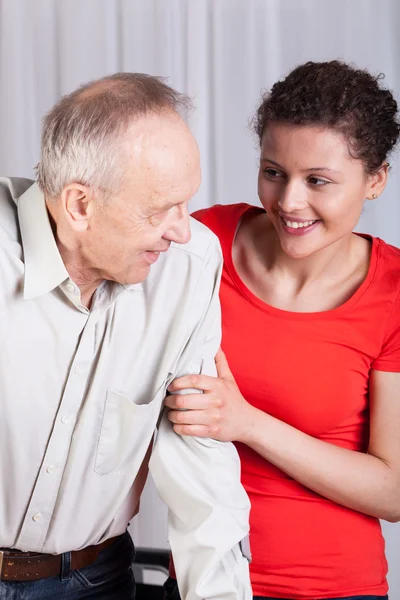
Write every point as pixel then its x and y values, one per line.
pixel 157 218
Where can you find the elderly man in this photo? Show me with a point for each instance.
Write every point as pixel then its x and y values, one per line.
pixel 105 299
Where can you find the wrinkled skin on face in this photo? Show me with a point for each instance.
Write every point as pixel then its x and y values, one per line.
pixel 119 239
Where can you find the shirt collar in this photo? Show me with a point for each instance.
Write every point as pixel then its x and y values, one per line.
pixel 132 286
pixel 44 267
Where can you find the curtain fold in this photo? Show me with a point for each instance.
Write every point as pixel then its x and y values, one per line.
pixel 222 53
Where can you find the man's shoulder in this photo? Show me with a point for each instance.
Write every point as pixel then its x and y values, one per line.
pixel 183 264
pixel 11 188
pixel 182 267
pixel 202 242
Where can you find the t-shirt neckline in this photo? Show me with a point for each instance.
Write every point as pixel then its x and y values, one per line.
pixel 256 301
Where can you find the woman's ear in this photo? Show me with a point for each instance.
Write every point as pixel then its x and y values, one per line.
pixel 377 182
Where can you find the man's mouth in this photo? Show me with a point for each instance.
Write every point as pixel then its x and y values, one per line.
pixel 151 256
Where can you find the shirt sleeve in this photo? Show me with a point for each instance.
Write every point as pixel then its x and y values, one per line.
pixel 389 357
pixel 199 479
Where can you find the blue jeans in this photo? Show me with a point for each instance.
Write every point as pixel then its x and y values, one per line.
pixel 172 593
pixel 109 577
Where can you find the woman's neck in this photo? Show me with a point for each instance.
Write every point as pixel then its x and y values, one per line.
pixel 330 262
pixel 319 282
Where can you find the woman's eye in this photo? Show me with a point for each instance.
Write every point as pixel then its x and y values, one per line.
pixel 272 173
pixel 317 181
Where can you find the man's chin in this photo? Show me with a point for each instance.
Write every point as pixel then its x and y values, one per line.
pixel 138 277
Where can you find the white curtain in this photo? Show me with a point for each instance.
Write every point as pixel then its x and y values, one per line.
pixel 221 52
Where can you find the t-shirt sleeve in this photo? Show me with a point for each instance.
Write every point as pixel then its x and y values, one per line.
pixel 211 217
pixel 222 219
pixel 201 215
pixel 389 357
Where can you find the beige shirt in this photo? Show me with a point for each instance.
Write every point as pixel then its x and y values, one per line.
pixel 81 392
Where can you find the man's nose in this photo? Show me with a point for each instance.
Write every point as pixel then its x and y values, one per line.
pixel 179 231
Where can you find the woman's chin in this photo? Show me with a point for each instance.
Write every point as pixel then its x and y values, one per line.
pixel 299 251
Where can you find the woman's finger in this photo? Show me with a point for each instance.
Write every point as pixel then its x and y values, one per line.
pixel 188 401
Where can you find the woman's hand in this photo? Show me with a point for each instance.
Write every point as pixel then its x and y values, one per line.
pixel 220 412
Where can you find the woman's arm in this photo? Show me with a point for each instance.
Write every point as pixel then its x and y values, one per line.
pixel 369 483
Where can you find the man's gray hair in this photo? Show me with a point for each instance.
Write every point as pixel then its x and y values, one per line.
pixel 82 135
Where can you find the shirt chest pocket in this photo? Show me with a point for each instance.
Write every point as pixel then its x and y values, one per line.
pixel 126 432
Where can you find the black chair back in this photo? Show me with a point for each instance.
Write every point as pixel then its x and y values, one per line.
pixel 147 559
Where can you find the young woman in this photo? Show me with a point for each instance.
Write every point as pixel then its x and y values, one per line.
pixel 311 331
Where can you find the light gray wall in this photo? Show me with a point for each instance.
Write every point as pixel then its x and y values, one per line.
pixel 220 51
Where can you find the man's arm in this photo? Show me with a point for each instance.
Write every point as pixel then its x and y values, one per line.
pixel 199 479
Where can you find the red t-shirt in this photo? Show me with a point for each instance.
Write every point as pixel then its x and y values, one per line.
pixel 310 370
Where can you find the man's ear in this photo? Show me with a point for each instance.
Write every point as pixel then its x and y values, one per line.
pixel 77 202
pixel 377 182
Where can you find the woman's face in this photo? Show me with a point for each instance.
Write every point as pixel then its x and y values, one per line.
pixel 311 188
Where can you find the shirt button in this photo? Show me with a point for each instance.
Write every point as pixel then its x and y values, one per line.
pixel 70 287
pixel 37 517
pixel 50 469
pixel 64 419
pixel 78 369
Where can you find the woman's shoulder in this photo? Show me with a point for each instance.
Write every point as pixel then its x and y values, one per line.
pixel 222 218
pixel 388 264
pixel 392 252
pixel 386 291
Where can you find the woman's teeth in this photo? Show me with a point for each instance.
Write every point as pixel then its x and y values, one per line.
pixel 298 224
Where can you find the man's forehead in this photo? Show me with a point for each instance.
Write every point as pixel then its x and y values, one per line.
pixel 161 151
pixel 155 126
pixel 165 194
pixel 163 163
pixel 156 193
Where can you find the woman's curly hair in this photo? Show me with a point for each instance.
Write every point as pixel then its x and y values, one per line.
pixel 334 94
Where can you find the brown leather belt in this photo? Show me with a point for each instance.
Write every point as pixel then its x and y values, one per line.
pixel 30 566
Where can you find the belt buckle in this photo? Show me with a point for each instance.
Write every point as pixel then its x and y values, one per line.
pixel 1 562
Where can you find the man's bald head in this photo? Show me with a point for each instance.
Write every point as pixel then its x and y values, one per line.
pixel 83 135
